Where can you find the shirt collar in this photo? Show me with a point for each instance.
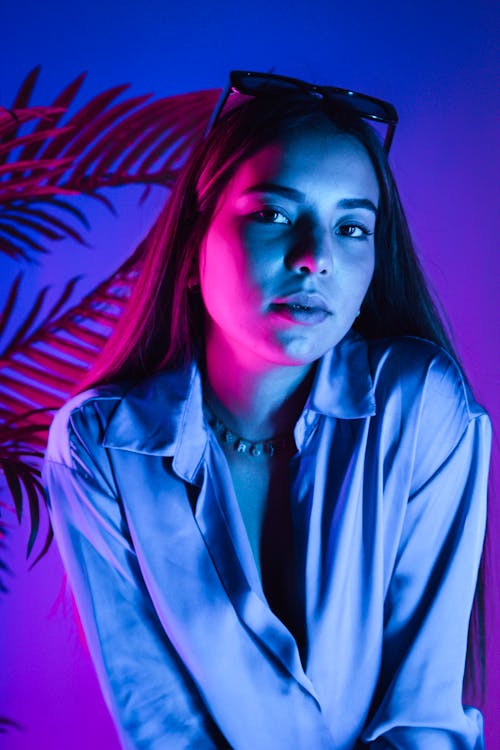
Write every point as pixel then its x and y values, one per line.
pixel 163 414
pixel 343 385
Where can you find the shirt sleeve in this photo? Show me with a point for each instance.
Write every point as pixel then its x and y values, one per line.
pixel 418 702
pixel 151 696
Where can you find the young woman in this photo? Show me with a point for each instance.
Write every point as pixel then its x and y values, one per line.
pixel 271 504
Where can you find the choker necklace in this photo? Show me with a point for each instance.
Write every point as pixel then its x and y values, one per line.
pixel 273 447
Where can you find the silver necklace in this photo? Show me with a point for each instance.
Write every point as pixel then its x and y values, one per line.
pixel 272 447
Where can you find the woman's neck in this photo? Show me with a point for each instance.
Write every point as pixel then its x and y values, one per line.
pixel 256 399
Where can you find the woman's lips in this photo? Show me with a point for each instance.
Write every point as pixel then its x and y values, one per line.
pixel 302 307
pixel 296 313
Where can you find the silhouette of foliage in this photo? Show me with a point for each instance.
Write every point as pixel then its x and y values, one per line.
pixel 105 144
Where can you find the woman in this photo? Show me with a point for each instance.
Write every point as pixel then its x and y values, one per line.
pixel 271 507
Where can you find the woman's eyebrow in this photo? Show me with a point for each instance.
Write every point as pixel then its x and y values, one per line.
pixel 271 187
pixel 357 203
pixel 299 197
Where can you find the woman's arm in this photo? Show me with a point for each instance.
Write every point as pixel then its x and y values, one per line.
pixel 427 608
pixel 149 693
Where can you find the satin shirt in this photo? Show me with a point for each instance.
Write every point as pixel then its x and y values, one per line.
pixel 388 505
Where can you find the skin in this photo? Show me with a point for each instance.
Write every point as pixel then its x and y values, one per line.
pixel 263 245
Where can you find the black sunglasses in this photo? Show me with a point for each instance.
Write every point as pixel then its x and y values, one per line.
pixel 263 84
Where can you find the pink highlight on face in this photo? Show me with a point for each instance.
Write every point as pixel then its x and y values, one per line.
pixel 289 254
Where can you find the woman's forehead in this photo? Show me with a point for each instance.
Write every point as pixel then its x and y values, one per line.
pixel 308 160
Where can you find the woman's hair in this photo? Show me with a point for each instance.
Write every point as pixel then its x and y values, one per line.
pixel 163 323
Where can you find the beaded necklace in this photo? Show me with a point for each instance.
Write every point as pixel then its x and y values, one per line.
pixel 271 447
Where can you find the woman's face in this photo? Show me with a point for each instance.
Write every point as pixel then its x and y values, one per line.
pixel 289 254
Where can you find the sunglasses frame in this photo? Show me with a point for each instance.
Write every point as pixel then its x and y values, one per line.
pixel 276 83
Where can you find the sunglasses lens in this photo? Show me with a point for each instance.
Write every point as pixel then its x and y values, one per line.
pixel 256 85
pixel 364 105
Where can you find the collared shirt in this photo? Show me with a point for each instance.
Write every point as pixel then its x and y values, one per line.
pixel 387 501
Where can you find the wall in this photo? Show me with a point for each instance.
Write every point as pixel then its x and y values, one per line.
pixel 434 60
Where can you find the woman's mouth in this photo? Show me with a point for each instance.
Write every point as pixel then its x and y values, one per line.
pixel 305 314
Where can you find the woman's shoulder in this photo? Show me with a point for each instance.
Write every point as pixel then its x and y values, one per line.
pixel 82 420
pixel 421 369
pixel 424 404
pixel 122 412
pixel 410 352
pixel 423 400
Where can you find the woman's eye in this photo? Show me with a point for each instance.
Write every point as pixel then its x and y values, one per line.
pixel 353 230
pixel 270 216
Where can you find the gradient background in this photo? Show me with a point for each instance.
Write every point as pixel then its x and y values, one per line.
pixel 434 60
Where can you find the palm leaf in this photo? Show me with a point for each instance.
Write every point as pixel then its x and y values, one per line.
pixel 41 364
pixel 4 568
pixel 44 357
pixel 42 222
pixel 33 138
pixel 20 467
pixel 82 120
pixel 108 142
pixel 25 91
pixel 12 119
pixel 104 144
pixel 43 354
pixel 7 724
pixel 60 106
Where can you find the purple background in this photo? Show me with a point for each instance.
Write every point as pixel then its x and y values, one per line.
pixel 434 60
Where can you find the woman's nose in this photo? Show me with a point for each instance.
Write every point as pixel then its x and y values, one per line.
pixel 311 254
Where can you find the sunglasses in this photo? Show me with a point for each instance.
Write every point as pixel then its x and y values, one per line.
pixel 248 83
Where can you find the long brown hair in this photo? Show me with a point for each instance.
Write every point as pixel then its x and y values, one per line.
pixel 163 323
